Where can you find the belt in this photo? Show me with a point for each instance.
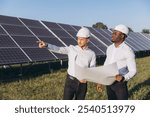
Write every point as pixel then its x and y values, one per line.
pixel 71 77
pixel 74 78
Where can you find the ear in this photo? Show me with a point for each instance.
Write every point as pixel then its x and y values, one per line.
pixel 88 40
pixel 122 36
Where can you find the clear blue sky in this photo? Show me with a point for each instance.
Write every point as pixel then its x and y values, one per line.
pixel 133 13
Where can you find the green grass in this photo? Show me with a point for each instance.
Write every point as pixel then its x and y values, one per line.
pixel 39 84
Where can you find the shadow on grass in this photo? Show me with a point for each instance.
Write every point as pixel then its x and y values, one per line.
pixel 27 72
pixel 138 86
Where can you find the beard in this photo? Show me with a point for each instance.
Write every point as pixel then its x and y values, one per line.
pixel 112 41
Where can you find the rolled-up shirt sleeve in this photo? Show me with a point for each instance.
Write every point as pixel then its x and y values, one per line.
pixel 131 65
pixel 56 49
pixel 93 61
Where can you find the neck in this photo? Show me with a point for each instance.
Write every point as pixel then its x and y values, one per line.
pixel 84 47
pixel 117 44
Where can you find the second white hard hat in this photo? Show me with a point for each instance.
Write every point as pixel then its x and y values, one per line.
pixel 84 32
pixel 122 28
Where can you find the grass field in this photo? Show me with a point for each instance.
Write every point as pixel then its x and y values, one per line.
pixel 40 84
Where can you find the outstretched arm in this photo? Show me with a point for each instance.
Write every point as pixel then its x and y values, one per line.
pixel 53 48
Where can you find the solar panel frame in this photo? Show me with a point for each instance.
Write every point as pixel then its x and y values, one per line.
pixel 41 33
pixel 6 42
pixel 10 20
pixel 2 32
pixel 18 37
pixel 143 40
pixel 12 56
pixel 26 41
pixel 17 30
pixel 39 54
pixel 136 41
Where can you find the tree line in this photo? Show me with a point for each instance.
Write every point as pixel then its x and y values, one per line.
pixel 101 25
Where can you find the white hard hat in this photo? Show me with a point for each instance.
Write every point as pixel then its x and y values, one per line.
pixel 122 28
pixel 84 32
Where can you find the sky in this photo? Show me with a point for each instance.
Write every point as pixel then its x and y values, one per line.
pixel 132 13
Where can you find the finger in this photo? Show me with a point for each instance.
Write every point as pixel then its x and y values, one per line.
pixel 39 41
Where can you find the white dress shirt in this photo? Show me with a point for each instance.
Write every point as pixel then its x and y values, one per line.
pixel 76 55
pixel 125 58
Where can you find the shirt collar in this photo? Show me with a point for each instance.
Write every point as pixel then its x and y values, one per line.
pixel 86 48
pixel 120 46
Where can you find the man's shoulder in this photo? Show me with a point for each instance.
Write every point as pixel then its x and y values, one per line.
pixel 127 47
pixel 91 51
pixel 110 46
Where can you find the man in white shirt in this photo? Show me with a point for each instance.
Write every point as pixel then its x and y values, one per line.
pixel 80 55
pixel 121 53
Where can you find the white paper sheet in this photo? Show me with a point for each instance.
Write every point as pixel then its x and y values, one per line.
pixel 102 75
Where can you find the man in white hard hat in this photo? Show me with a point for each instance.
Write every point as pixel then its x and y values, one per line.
pixel 80 55
pixel 121 53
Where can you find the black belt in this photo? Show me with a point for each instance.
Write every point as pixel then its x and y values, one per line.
pixel 71 77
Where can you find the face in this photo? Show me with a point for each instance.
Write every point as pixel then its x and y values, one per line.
pixel 82 42
pixel 117 37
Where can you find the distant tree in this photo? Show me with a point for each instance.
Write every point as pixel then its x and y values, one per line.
pixel 147 31
pixel 100 25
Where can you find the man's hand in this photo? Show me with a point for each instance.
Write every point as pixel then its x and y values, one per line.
pixel 99 88
pixel 42 44
pixel 83 81
pixel 119 78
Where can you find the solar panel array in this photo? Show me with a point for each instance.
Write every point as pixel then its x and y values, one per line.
pixel 18 37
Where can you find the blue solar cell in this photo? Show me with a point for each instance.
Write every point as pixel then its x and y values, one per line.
pixel 12 56
pixel 67 27
pixel 51 40
pixel 143 40
pixel 76 27
pixel 2 31
pixel 134 39
pixel 38 54
pixel 61 33
pixel 6 41
pixel 69 41
pixel 51 25
pixel 17 30
pixel 41 32
pixel 32 23
pixel 105 37
pixel 146 35
pixel 24 33
pixel 24 41
pixel 9 20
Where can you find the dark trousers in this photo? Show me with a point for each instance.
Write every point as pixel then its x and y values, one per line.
pixel 117 91
pixel 74 89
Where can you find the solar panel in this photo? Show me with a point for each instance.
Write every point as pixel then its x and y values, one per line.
pixel 62 34
pixel 137 41
pixel 17 30
pixel 147 36
pixel 43 34
pixel 26 41
pixel 32 23
pixel 70 30
pixel 133 45
pixel 73 31
pixel 38 54
pixel 143 40
pixel 6 41
pixel 2 31
pixel 18 38
pixel 9 20
pixel 12 56
pixel 103 36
